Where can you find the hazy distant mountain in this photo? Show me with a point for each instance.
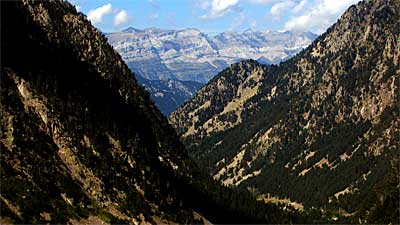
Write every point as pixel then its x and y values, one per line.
pixel 192 55
pixel 165 59
pixel 169 94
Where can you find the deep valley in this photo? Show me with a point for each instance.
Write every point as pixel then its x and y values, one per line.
pixel 162 126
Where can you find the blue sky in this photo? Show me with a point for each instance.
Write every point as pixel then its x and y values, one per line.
pixel 214 16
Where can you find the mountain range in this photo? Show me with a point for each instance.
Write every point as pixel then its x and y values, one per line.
pixel 190 55
pixel 178 56
pixel 318 131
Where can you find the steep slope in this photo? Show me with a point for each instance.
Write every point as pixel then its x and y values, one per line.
pixel 190 55
pixel 321 129
pixel 169 94
pixel 219 104
pixel 81 141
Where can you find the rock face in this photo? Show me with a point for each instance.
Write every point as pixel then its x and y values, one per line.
pixel 319 130
pixel 169 94
pixel 174 63
pixel 81 141
pixel 190 55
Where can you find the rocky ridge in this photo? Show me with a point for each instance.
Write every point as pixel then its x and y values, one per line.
pixel 319 130
pixel 190 55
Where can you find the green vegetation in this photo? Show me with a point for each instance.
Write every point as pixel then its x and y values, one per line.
pixel 323 127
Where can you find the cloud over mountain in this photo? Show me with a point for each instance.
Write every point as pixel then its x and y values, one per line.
pixel 96 15
pixel 121 18
pixel 218 7
pixel 318 16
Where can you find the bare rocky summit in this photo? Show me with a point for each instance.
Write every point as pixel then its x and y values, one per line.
pixel 190 55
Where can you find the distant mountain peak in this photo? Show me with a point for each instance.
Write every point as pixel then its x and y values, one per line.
pixel 249 30
pixel 131 30
pixel 192 29
pixel 229 32
pixel 189 54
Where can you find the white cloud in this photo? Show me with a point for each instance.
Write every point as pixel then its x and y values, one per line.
pixel 96 15
pixel 121 18
pixel 280 7
pixel 218 7
pixel 320 16
pixel 78 8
